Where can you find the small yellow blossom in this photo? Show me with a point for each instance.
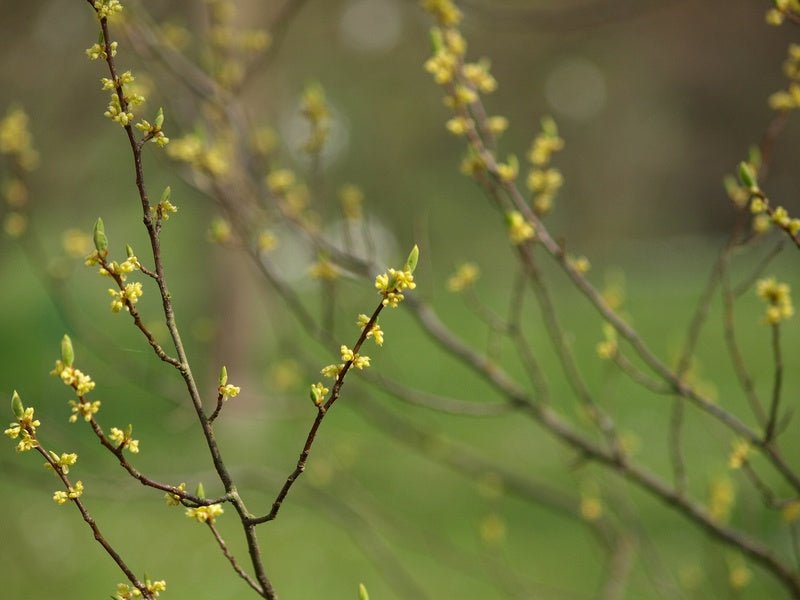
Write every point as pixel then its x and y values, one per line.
pixel 721 499
pixel 98 51
pixel 545 143
pixel 331 371
pixel 126 297
pixel 351 198
pixel 608 347
pixel 791 511
pixel 318 393
pixel 266 241
pixel 16 139
pixel 324 270
pixel 229 391
pixel 76 379
pixel 497 124
pixel 778 298
pixel 519 230
pixel 280 180
pixel 478 75
pixel 15 224
pixel 375 332
pixel 64 462
pixel 591 507
pixel 61 497
pixel 85 409
pixel 444 11
pixel 465 276
pixel 205 514
pixel 738 457
pixel 123 439
pixel 174 499
pixel 762 223
pixel 739 576
pixel 459 125
pixel 442 66
pixel 581 264
pixel 508 171
pixel 107 8
pixel 493 530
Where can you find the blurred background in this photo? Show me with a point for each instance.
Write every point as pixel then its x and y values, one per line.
pixel 656 101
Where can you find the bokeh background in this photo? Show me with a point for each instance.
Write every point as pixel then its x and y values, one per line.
pixel 656 100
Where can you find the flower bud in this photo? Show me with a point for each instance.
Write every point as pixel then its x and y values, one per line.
pixel 100 239
pixel 16 405
pixel 362 592
pixel 747 175
pixel 67 353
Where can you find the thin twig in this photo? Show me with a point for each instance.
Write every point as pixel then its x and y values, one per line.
pixel 232 559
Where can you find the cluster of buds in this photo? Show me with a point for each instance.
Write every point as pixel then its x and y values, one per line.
pixel 391 286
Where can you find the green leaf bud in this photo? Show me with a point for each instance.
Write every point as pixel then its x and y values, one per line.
pixel 223 375
pixel 100 239
pixel 165 195
pixel 160 118
pixel 200 492
pixel 747 175
pixel 362 592
pixel 16 405
pixel 129 251
pixel 437 40
pixel 67 352
pixel 413 258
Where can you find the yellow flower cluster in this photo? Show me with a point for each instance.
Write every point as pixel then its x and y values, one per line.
pixel 375 332
pixel 164 208
pixel 126 297
pixel 129 592
pixel 315 109
pixel 777 15
pixel 351 198
pixel 544 181
pixel 229 391
pixel 581 264
pixel 721 499
pixel 98 51
pixel 74 492
pixel 16 139
pixel 778 298
pixel 519 230
pixel 319 391
pixel 63 462
pixel 324 270
pixel 465 276
pixel 107 8
pixel 789 98
pixel 123 439
pixel 24 428
pixel 76 379
pixel 739 453
pixel 444 11
pixel 208 158
pixel 85 409
pixel 392 284
pixel 205 514
pixel 174 499
pixel 608 348
pixel 358 361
